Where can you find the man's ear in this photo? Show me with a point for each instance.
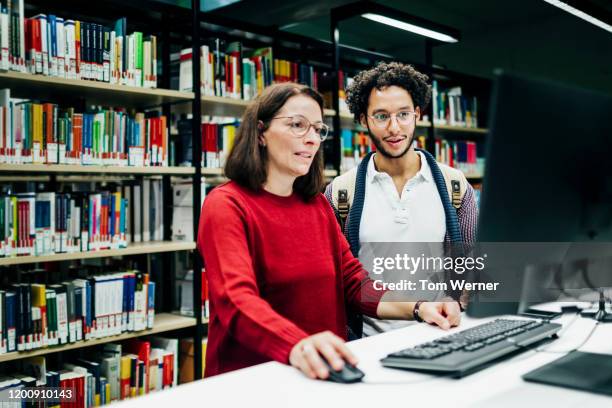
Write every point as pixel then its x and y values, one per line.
pixel 363 120
pixel 418 113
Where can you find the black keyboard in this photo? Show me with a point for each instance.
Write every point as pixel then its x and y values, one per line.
pixel 472 349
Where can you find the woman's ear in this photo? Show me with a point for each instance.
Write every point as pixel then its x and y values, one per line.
pixel 260 132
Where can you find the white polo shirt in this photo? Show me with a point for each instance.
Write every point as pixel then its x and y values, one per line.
pixel 415 216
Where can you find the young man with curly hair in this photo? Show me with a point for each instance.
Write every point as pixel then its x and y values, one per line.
pixel 398 193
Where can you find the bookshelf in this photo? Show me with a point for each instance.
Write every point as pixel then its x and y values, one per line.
pixel 45 87
pixel 84 169
pixel 164 322
pixel 461 129
pixel 223 106
pixel 82 95
pixel 140 248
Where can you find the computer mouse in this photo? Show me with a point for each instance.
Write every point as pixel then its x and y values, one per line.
pixel 348 374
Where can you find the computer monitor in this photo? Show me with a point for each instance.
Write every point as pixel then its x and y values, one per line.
pixel 548 170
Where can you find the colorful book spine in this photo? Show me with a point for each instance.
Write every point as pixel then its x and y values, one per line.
pixel 62 47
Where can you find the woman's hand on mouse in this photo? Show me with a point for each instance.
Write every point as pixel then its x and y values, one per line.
pixel 308 354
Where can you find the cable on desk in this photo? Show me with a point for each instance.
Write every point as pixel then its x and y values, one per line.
pixel 588 337
pixel 544 350
pixel 420 381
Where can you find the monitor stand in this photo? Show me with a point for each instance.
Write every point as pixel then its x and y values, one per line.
pixel 601 314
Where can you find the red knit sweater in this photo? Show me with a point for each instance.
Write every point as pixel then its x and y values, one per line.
pixel 279 269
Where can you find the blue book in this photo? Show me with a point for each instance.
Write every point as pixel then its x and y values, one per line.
pixel 150 305
pixel 53 31
pixel 112 215
pixel 131 292
pixel 88 305
pixel 124 207
pixel 11 321
pixel 125 304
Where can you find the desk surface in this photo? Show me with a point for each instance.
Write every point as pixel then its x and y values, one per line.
pixel 276 385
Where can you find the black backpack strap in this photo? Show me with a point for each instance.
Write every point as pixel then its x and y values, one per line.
pixel 343 207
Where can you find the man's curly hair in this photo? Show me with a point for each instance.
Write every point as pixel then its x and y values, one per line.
pixel 386 74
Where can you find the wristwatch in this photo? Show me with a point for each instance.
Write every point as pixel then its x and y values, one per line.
pixel 415 311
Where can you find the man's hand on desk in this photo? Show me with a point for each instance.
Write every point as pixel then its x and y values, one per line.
pixel 443 314
pixel 307 355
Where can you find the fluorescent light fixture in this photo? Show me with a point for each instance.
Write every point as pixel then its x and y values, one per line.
pixel 410 27
pixel 580 14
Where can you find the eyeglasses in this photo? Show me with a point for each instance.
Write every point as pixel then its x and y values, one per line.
pixel 382 119
pixel 300 126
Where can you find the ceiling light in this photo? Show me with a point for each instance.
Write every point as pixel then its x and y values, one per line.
pixel 402 25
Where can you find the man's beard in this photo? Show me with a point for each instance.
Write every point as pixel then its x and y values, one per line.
pixel 380 149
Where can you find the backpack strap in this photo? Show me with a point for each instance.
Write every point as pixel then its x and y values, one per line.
pixel 343 207
pixel 346 183
pixel 456 184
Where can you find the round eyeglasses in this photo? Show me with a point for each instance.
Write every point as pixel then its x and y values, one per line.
pixel 300 126
pixel 382 119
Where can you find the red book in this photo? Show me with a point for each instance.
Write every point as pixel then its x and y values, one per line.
pixel 204 286
pixel 36 38
pixel 142 349
pixel 227 74
pixel 168 370
pixel 77 44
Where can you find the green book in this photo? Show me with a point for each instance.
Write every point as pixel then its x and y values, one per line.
pixel 138 56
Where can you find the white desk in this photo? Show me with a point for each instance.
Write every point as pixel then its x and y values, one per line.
pixel 276 385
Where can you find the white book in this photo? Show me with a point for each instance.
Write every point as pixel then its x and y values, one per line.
pixel 62 317
pixel 19 5
pixel 44 43
pixel 146 63
pixel 111 368
pixel 113 58
pixel 4 40
pixel 185 71
pixel 60 39
pixel 119 302
pixel 172 347
pixel 70 49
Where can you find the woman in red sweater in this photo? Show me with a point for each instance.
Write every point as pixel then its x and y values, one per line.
pixel 280 271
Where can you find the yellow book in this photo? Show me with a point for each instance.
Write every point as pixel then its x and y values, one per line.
pixel 107 393
pixel 231 134
pixel 125 373
pixel 39 300
pixel 277 69
pixel 204 344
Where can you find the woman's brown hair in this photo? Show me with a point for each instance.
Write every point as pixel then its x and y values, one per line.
pixel 247 161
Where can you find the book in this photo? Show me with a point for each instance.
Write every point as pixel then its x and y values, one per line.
pixel 35 316
pixel 57 46
pixel 48 223
pixel 231 71
pixel 47 133
pixel 452 107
